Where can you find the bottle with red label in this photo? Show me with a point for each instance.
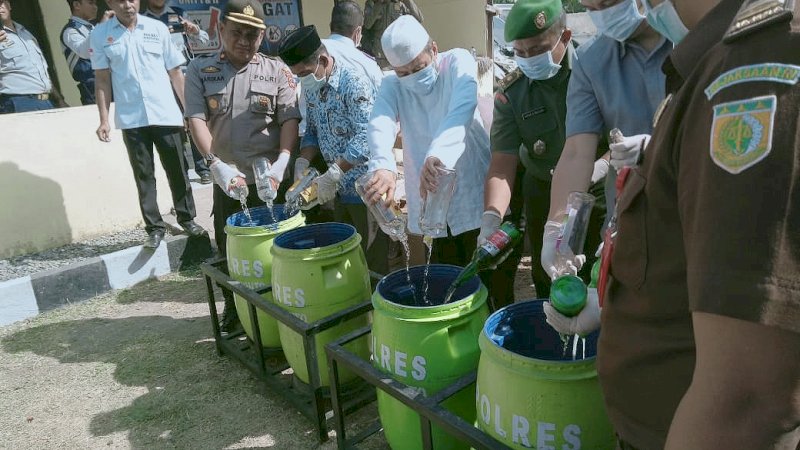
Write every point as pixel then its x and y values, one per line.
pixel 494 251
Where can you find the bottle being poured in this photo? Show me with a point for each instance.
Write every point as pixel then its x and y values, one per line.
pixel 568 293
pixel 303 193
pixel 494 251
pixel 232 182
pixel 266 186
pixel 433 220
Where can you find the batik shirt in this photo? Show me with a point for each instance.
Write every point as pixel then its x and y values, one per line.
pixel 337 118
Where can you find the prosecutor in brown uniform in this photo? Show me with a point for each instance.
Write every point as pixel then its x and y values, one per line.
pixel 700 343
pixel 241 105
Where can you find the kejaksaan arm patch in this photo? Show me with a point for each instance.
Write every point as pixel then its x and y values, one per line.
pixel 741 134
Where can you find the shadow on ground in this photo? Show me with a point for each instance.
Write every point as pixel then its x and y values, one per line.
pixel 192 397
pixel 188 287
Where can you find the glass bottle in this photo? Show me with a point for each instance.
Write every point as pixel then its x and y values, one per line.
pixel 494 251
pixel 568 292
pixel 390 218
pixel 303 192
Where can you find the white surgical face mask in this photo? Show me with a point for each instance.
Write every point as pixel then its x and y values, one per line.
pixel 310 82
pixel 664 19
pixel 541 66
pixel 618 22
pixel 423 81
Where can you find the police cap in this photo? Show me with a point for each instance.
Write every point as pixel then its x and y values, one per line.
pixel 299 45
pixel 247 12
pixel 529 18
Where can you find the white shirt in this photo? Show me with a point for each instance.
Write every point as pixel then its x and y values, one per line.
pixel 444 124
pixel 344 51
pixel 139 61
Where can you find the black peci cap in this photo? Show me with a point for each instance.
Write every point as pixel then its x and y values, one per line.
pixel 299 45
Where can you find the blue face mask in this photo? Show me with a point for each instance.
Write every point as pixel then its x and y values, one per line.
pixel 618 22
pixel 421 82
pixel 664 19
pixel 310 82
pixel 539 67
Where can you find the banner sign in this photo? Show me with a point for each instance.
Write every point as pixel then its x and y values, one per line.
pixel 282 16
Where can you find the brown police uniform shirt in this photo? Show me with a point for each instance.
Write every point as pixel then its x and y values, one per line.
pixel 711 220
pixel 244 108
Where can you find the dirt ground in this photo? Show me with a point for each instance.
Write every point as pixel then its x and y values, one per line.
pixel 138 369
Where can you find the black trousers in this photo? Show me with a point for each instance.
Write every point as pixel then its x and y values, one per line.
pixel 355 214
pixel 167 140
pixel 87 92
pixel 537 206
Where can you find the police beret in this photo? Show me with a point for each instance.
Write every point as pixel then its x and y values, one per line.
pixel 299 45
pixel 247 12
pixel 529 18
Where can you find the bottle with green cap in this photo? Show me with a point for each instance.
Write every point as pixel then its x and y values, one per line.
pixel 569 293
pixel 494 251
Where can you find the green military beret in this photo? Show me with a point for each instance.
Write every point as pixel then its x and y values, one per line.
pixel 529 18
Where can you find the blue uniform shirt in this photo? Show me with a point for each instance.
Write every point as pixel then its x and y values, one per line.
pixel 615 85
pixel 23 69
pixel 338 114
pixel 139 61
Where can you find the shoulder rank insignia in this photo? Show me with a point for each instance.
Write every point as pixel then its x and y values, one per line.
pixel 741 134
pixel 210 69
pixel 509 79
pixel 754 15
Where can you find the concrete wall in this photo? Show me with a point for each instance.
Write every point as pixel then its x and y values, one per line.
pixel 55 14
pixel 451 23
pixel 59 183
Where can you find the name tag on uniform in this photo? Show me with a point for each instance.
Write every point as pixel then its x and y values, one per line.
pixel 533 112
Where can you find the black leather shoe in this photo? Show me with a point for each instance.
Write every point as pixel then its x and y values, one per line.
pixel 205 178
pixel 154 239
pixel 192 228
pixel 230 321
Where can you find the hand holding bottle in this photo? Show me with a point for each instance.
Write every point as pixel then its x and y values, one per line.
pixel 228 178
pixel 490 222
pixel 327 183
pixel 626 151
pixel 586 322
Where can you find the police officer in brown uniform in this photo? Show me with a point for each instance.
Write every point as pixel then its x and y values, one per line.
pixel 241 105
pixel 700 340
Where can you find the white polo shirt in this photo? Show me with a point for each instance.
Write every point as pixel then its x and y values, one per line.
pixel 139 61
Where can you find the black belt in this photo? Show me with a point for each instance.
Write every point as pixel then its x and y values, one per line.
pixel 33 96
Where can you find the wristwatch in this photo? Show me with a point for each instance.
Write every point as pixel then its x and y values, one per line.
pixel 210 157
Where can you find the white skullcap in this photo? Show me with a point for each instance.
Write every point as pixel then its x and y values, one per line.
pixel 404 40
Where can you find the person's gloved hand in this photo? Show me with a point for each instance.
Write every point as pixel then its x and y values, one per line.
pixel 226 176
pixel 328 182
pixel 490 221
pixel 626 153
pixel 300 166
pixel 600 170
pixel 587 321
pixel 279 167
pixel 552 231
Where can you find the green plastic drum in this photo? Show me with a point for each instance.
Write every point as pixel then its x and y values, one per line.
pixel 531 393
pixel 426 346
pixel 250 261
pixel 318 270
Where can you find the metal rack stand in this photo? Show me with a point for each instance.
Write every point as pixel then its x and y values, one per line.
pixel 430 409
pixel 269 365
